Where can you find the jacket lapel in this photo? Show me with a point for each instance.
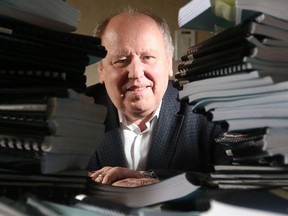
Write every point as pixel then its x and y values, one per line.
pixel 166 135
pixel 110 151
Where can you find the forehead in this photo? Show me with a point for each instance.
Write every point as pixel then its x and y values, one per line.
pixel 125 20
pixel 128 30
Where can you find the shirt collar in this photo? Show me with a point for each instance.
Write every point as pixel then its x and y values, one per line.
pixel 123 120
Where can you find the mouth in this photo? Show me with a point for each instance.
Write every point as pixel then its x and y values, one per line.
pixel 135 88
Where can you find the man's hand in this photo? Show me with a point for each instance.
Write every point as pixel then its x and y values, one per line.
pixel 135 182
pixel 120 176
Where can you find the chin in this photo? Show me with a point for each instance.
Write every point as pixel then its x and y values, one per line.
pixel 140 105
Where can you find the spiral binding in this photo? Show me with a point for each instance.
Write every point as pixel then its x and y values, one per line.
pixel 26 146
pixel 234 137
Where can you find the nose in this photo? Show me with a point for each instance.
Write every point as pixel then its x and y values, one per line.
pixel 135 69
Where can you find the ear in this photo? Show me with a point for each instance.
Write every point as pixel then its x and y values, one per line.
pixel 170 68
pixel 100 72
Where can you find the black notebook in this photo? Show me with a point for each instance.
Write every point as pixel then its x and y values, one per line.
pixel 24 31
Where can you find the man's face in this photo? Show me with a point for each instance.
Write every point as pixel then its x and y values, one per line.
pixel 137 67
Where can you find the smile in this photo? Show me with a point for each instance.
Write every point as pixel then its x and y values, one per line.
pixel 137 88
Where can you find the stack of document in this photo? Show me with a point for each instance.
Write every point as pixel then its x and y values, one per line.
pixel 52 14
pixel 238 79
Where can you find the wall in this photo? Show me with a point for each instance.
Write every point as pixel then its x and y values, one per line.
pixel 93 11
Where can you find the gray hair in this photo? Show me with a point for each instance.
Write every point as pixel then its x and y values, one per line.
pixel 162 24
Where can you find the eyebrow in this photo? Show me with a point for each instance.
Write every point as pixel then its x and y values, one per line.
pixel 120 55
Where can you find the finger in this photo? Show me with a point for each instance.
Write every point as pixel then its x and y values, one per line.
pixel 93 175
pixel 113 174
pixel 127 183
pixel 150 181
pixel 96 173
pixel 90 173
pixel 99 178
pixel 135 182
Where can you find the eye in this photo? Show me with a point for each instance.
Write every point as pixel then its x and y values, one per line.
pixel 148 59
pixel 121 62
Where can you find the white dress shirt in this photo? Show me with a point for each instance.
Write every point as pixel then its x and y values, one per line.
pixel 137 143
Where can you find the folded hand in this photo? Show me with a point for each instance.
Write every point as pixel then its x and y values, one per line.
pixel 120 176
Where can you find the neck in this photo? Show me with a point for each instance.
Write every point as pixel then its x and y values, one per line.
pixel 141 123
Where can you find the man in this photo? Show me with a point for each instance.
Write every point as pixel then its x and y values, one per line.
pixel 147 127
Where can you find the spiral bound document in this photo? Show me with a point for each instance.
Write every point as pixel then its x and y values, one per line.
pixel 15 29
pixel 54 14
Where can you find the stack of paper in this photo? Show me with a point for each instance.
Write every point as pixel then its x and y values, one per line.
pixel 238 79
pixel 52 14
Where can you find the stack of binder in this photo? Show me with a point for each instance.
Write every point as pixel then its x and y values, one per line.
pixel 238 78
pixel 215 16
pixel 49 127
pixel 53 14
pixel 50 133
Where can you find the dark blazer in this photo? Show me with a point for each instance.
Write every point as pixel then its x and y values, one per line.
pixel 182 140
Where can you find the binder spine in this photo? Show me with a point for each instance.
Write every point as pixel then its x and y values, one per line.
pixel 20 146
pixel 221 71
pixel 58 75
